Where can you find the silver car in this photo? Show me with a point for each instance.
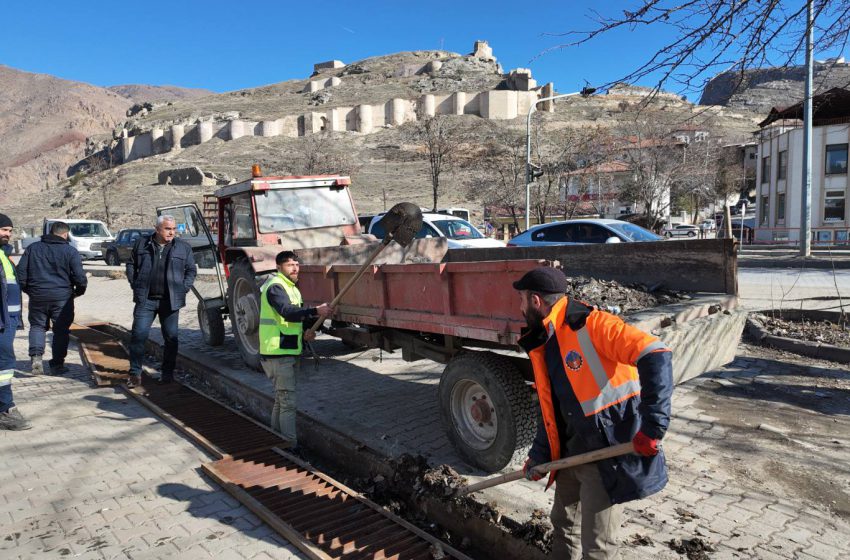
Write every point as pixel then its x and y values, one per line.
pixel 576 232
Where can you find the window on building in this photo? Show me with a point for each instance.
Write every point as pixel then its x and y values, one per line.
pixel 782 165
pixel 765 208
pixel 833 207
pixel 836 159
pixel 765 169
pixel 780 207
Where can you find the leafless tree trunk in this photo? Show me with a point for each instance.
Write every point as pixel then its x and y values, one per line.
pixel 498 171
pixel 439 139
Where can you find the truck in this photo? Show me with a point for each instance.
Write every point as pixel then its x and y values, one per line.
pixel 452 306
pixel 86 236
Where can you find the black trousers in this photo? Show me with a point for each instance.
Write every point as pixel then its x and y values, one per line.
pixel 43 315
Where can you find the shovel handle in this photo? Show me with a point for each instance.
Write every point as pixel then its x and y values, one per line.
pixel 575 460
pixel 350 283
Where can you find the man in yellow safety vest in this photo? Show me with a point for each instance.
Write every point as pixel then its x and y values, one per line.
pixel 281 338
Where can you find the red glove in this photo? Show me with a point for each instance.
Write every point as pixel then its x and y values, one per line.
pixel 529 472
pixel 645 445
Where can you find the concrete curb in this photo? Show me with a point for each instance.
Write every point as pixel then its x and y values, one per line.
pixel 802 347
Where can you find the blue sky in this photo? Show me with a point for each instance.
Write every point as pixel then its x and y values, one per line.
pixel 229 45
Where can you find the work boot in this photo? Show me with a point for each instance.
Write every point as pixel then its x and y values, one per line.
pixel 12 420
pixel 37 365
pixel 61 369
pixel 165 379
pixel 134 381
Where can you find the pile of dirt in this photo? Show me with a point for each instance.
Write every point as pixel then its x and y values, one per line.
pixel 612 296
pixel 694 549
pixel 824 332
pixel 537 530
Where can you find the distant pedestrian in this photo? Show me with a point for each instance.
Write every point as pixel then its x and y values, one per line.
pixel 10 320
pixel 161 271
pixel 282 336
pixel 51 274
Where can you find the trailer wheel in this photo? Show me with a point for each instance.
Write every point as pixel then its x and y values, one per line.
pixel 244 304
pixel 486 410
pixel 212 325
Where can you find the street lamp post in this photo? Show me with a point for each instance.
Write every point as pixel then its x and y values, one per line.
pixel 529 175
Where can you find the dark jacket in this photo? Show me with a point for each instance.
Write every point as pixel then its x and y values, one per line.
pixel 179 275
pixel 629 477
pixel 51 270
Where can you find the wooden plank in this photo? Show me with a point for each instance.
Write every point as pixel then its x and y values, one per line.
pixel 372 505
pixel 276 523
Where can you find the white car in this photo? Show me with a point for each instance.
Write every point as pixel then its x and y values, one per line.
pixel 459 233
pixel 681 230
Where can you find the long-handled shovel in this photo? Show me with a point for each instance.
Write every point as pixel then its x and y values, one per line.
pixel 581 459
pixel 401 223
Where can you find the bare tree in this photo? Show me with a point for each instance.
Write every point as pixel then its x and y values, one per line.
pixel 712 35
pixel 439 138
pixel 656 162
pixel 317 154
pixel 498 172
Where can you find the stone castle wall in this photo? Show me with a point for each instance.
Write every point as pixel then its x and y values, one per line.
pixel 494 104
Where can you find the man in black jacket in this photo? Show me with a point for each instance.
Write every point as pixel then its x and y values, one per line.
pixel 161 272
pixel 51 274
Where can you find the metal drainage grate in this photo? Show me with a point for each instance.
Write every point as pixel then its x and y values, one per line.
pixel 321 516
pixel 104 355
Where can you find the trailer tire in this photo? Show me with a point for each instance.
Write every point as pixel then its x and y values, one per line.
pixel 492 435
pixel 243 302
pixel 212 325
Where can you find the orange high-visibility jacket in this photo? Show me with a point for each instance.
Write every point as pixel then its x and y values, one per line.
pixel 600 380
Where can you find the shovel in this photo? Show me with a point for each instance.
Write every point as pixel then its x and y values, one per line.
pixel 575 460
pixel 402 223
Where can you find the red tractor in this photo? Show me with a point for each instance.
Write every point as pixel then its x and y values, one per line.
pixel 249 223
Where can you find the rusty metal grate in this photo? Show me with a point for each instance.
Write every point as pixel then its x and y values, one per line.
pixel 104 355
pixel 322 517
pixel 319 515
pixel 219 429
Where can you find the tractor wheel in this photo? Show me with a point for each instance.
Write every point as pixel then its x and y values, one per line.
pixel 112 258
pixel 243 302
pixel 212 325
pixel 487 410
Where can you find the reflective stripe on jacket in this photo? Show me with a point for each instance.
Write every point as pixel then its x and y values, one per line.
pixel 589 387
pixel 279 337
pixel 11 289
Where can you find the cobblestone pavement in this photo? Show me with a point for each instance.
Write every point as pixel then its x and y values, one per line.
pixel 392 406
pixel 98 476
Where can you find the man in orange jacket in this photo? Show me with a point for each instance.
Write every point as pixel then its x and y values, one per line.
pixel 600 382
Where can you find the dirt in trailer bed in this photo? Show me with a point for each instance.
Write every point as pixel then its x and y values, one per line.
pixel 608 294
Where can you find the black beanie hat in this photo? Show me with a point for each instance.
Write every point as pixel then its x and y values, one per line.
pixel 5 221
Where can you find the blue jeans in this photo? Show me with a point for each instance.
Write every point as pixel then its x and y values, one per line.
pixel 43 314
pixel 7 363
pixel 143 316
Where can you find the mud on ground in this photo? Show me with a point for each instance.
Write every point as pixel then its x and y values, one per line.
pixel 810 410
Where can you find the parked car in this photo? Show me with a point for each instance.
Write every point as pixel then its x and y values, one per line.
pixel 118 251
pixel 575 232
pixel 681 230
pixel 459 233
pixel 86 236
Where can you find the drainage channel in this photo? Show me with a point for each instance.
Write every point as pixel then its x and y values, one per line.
pixel 322 517
pixel 469 521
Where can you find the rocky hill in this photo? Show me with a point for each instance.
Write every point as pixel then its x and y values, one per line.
pixel 761 89
pixel 45 121
pixel 385 165
pixel 140 93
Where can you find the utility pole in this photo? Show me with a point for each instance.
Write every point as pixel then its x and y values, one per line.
pixel 806 195
pixel 532 171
